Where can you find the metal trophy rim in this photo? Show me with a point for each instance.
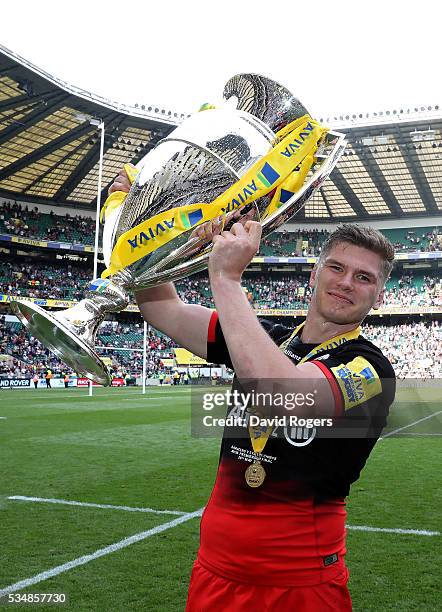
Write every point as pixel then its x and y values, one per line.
pixel 99 373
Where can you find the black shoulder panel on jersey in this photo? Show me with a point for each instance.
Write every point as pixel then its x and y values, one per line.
pixel 277 332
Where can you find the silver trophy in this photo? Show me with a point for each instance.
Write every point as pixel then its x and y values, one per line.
pixel 197 163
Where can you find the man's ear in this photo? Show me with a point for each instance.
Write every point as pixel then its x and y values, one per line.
pixel 311 282
pixel 379 299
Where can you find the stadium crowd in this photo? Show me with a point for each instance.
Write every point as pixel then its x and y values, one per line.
pixel 279 291
pixel 287 291
pixel 414 349
pixel 43 280
pixel 301 243
pixel 20 220
pixel 403 291
pixel 420 240
pixel 28 356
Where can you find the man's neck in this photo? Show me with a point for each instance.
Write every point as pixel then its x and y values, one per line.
pixel 317 330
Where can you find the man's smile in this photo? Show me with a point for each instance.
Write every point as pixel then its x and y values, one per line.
pixel 339 297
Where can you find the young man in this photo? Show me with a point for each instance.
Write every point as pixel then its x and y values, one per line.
pixel 273 532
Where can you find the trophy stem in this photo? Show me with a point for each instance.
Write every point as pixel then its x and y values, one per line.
pixel 70 334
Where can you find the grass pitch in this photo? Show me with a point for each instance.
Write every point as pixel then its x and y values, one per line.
pixel 120 448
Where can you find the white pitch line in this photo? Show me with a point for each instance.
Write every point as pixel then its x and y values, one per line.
pixel 390 433
pixel 149 399
pixel 153 395
pixel 60 569
pixel 161 396
pixel 179 513
pixel 414 433
pixel 3 418
pixel 68 502
pixel 422 532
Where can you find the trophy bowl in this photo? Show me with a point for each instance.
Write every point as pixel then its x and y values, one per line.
pixel 262 157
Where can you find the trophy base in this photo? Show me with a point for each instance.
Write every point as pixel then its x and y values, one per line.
pixel 62 341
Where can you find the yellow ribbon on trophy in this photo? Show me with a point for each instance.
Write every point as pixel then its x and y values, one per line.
pixel 282 169
pixel 287 188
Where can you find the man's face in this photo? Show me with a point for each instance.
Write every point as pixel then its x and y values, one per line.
pixel 347 284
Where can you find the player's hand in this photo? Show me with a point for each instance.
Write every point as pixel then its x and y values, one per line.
pixel 121 182
pixel 234 250
pixel 208 230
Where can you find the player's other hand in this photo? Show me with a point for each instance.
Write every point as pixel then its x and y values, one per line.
pixel 206 231
pixel 121 182
pixel 234 250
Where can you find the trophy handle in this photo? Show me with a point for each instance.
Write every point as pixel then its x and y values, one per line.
pixel 70 334
pixel 327 155
pixel 264 98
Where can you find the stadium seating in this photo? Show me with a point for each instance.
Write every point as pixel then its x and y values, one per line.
pixel 279 290
pixel 410 239
pixel 29 356
pixel 422 357
pixel 21 221
pixel 39 278
pixel 414 350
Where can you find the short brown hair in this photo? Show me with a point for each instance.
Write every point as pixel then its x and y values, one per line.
pixel 365 237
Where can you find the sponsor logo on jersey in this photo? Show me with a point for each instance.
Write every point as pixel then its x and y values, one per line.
pixel 292 355
pixel 368 374
pixel 358 381
pixel 330 559
pixel 299 436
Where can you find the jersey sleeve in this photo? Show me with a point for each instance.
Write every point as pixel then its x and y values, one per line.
pixel 359 376
pixel 217 351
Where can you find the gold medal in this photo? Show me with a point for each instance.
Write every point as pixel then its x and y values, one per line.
pixel 255 474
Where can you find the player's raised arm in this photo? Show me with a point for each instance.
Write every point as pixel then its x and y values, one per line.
pixel 187 324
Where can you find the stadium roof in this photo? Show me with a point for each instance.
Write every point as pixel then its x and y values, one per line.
pixel 49 151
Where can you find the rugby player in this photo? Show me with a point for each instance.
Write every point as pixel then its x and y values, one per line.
pixel 273 531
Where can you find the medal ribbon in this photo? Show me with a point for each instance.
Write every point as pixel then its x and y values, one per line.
pixel 259 436
pixel 289 160
pixel 324 346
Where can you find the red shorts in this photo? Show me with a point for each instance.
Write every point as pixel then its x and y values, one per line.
pixel 209 592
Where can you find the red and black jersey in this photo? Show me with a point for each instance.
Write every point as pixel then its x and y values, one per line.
pixel 291 530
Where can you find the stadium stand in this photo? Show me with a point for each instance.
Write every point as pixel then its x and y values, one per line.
pixel 278 290
pixel 309 243
pixel 391 172
pixel 124 451
pixel 414 349
pixel 29 356
pixel 18 220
